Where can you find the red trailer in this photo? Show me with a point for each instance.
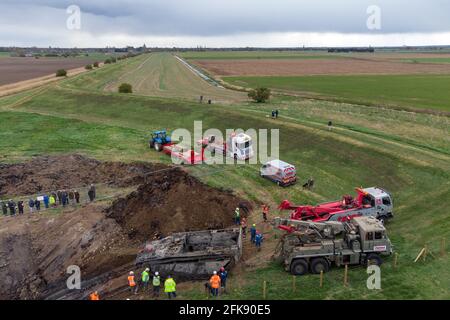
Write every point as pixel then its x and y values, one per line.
pixel 186 155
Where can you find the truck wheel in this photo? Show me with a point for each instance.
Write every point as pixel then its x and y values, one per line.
pixel 299 267
pixel 373 259
pixel 151 144
pixel 319 264
pixel 158 147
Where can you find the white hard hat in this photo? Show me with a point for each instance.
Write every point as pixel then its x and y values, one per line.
pixel 214 272
pixel 131 272
pixel 147 269
pixel 156 273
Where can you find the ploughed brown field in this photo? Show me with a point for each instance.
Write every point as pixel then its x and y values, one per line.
pixel 299 67
pixel 15 69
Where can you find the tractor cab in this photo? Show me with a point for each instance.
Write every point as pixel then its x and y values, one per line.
pixel 159 139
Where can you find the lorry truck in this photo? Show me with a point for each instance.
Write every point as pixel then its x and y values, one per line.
pixel 375 202
pixel 316 246
pixel 237 145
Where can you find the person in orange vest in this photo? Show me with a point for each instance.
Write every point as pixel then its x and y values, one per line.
pixel 265 212
pixel 132 282
pixel 215 284
pixel 94 296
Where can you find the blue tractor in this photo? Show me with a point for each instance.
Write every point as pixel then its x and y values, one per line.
pixel 159 139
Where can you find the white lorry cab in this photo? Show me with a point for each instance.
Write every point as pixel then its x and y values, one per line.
pixel 238 146
pixel 280 172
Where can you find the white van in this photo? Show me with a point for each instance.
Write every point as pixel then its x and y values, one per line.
pixel 280 172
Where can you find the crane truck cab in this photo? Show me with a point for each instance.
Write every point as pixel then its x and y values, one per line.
pixel 379 200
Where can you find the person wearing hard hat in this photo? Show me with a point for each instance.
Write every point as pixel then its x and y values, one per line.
pixel 215 284
pixel 156 284
pixel 253 233
pixel 145 278
pixel 170 287
pixel 223 274
pixel 237 216
pixel 94 296
pixel 132 282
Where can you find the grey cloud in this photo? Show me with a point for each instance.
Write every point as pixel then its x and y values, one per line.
pixel 213 17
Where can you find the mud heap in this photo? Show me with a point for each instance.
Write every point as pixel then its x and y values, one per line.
pixel 174 202
pixel 50 173
pixel 102 238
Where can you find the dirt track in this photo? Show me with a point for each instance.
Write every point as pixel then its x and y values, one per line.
pixel 35 250
pixel 299 67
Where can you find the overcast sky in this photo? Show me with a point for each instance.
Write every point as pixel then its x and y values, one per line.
pixel 225 23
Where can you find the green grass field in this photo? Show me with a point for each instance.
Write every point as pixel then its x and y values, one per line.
pixel 207 55
pixel 409 91
pixel 406 153
pixel 156 74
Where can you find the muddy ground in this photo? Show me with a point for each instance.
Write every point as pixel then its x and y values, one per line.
pixel 14 69
pixel 300 67
pixel 102 238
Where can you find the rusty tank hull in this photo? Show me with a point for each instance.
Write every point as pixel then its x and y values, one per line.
pixel 192 255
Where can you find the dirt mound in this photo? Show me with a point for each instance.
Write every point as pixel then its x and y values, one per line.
pixel 174 202
pixel 102 238
pixel 51 173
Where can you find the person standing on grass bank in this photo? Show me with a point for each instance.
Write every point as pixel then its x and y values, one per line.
pixel 237 216
pixel 258 240
pixel 131 282
pixel 94 296
pixel 59 195
pixel 170 287
pixel 4 208
pixel 330 125
pixel 31 205
pixel 20 206
pixel 265 212
pixel 156 284
pixel 37 204
pixel 244 227
pixel 12 207
pixel 215 284
pixel 145 279
pixel 77 196
pixel 223 274
pixel 91 192
pixel 253 233
pixel 276 114
pixel 52 201
pixel 46 201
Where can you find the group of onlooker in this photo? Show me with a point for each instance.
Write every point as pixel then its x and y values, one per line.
pixel 51 200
